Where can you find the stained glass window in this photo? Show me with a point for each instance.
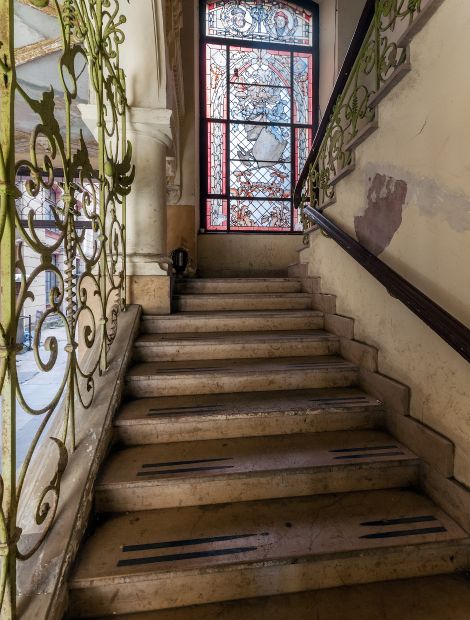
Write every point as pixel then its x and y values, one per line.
pixel 258 115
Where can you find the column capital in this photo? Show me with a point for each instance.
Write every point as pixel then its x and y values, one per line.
pixel 154 123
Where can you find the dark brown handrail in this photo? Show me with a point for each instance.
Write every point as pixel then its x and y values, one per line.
pixel 353 51
pixel 456 334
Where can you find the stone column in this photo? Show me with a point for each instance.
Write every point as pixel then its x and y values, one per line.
pixel 147 261
pixel 146 66
pixel 148 266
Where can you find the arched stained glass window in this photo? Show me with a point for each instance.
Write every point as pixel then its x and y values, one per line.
pixel 258 103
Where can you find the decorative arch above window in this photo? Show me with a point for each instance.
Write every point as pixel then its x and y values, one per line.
pixel 259 63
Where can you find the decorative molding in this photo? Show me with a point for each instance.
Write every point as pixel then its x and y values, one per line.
pixel 28 53
pixel 148 265
pixel 49 9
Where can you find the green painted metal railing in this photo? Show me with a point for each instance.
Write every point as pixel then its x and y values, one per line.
pixel 85 300
pixel 377 52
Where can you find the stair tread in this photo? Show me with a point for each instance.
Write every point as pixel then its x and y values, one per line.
pixel 229 280
pixel 324 363
pixel 160 409
pixel 163 464
pixel 181 315
pixel 444 597
pixel 233 536
pixel 235 337
pixel 242 295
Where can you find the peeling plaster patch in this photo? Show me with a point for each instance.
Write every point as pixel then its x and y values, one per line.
pixel 433 199
pixel 382 218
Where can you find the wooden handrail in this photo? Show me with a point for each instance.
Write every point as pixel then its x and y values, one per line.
pixel 455 333
pixel 354 48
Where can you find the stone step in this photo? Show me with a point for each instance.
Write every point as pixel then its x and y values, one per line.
pixel 232 321
pixel 232 345
pixel 252 468
pixel 157 559
pixel 442 597
pixel 247 414
pixel 239 375
pixel 242 301
pixel 239 285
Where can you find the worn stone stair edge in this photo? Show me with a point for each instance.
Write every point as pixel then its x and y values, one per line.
pixel 459 543
pixel 262 473
pixel 230 414
pixel 234 337
pixel 42 594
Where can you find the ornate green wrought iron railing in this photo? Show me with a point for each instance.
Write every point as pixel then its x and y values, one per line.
pixel 87 226
pixel 377 54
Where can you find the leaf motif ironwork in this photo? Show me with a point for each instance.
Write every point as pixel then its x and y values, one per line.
pixel 380 56
pixel 85 303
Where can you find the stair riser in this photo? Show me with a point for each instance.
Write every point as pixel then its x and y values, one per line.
pixel 180 588
pixel 195 303
pixel 250 425
pixel 229 324
pixel 258 486
pixel 242 286
pixel 218 383
pixel 174 353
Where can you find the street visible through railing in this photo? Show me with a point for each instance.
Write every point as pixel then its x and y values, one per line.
pixel 62 256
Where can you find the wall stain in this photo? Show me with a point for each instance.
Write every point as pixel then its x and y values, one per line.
pixel 430 196
pixel 376 227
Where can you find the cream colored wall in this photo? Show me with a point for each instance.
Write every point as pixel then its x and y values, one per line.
pixel 238 254
pixel 182 230
pixel 338 21
pixel 183 217
pixel 349 12
pixel 328 52
pixel 423 140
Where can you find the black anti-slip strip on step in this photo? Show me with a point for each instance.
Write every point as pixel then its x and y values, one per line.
pixel 403 533
pixel 185 556
pixel 183 410
pixel 188 542
pixel 192 462
pixel 349 457
pixel 399 521
pixel 190 407
pixel 184 470
pixel 330 364
pixel 177 370
pixel 339 399
pixel 364 449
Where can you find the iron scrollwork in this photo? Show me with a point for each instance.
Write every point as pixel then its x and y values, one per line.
pixel 87 223
pixel 381 54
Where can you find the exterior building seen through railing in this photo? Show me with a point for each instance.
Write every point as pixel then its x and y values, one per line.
pixel 62 259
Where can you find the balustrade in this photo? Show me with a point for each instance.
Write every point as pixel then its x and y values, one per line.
pixel 75 190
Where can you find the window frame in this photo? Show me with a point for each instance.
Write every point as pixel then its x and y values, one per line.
pixel 314 50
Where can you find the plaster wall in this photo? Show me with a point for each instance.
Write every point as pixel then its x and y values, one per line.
pixel 183 209
pixel 182 230
pixel 338 21
pixel 233 254
pixel 421 146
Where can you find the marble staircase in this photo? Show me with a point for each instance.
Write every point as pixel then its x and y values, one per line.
pixel 249 462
